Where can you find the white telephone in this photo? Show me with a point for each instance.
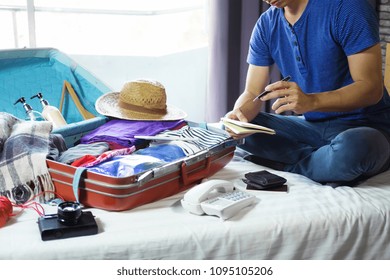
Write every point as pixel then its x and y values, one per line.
pixel 216 197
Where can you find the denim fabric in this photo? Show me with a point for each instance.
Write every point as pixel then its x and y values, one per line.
pixel 327 151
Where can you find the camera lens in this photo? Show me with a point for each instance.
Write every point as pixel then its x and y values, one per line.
pixel 69 213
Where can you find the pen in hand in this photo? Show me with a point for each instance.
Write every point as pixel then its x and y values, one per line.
pixel 285 79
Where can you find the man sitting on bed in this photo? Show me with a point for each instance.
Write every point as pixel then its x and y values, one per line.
pixel 331 50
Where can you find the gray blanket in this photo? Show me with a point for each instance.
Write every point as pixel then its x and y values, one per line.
pixel 24 146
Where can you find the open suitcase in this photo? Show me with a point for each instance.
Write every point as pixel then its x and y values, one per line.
pixel 28 71
pixel 123 193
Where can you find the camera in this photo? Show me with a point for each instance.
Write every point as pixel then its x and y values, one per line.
pixel 70 221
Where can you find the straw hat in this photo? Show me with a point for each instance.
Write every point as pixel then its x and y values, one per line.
pixel 139 100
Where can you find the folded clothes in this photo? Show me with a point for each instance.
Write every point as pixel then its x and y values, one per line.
pixel 89 160
pixel 80 150
pixel 123 166
pixel 204 138
pixel 137 162
pixel 165 152
pixel 122 132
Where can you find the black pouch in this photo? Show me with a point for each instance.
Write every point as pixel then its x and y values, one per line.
pixel 264 180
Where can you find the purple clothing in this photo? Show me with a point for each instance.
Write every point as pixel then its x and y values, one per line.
pixel 122 132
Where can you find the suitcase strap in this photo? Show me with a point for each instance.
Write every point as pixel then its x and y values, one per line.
pixel 67 88
pixel 76 182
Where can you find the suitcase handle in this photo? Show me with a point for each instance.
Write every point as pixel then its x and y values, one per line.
pixel 190 179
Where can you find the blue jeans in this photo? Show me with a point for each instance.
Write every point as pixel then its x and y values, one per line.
pixel 325 151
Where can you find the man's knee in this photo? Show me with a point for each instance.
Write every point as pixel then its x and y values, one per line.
pixel 363 146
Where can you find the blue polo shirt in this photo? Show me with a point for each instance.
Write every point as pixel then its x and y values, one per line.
pixel 314 50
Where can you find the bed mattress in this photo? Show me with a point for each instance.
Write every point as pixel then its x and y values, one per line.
pixel 309 221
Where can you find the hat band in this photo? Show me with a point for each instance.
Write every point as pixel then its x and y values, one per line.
pixel 140 109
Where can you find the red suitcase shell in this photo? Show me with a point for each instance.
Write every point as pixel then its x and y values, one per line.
pixel 118 194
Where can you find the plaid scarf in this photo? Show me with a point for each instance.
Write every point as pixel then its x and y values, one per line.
pixel 24 146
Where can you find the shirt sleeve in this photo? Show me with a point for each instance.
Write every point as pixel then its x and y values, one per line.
pixel 357 26
pixel 259 53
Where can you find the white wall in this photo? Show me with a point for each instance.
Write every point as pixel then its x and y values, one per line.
pixel 184 76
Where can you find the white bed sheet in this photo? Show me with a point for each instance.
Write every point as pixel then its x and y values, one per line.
pixel 310 221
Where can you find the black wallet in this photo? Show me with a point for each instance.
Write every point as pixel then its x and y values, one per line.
pixel 264 180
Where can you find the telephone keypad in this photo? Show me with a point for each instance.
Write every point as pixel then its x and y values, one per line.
pixel 227 204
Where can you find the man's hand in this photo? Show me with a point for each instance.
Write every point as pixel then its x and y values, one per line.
pixel 236 114
pixel 289 97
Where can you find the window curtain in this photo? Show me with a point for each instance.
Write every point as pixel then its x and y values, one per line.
pixel 231 24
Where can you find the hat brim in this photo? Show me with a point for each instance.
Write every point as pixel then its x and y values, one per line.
pixel 108 105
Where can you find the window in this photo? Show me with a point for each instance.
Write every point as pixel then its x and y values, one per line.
pixel 121 40
pixel 101 27
pixel 13 22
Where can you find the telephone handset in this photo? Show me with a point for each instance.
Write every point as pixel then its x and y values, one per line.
pixel 216 197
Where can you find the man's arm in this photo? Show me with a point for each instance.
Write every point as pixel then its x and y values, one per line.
pixel 245 109
pixel 366 90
